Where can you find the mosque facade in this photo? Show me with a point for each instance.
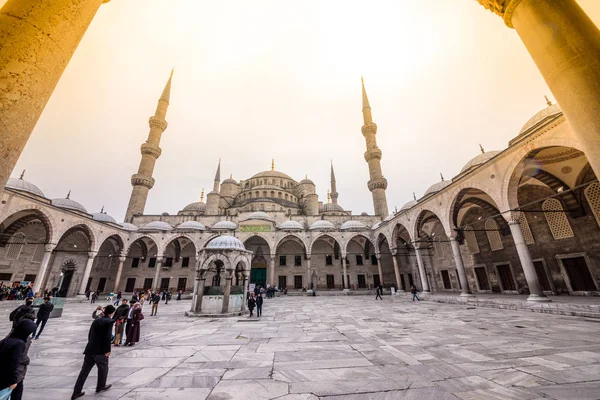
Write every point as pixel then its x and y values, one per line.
pixel 522 220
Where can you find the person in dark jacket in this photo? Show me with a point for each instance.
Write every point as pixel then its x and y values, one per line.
pixel 18 313
pixel 42 316
pixel 12 350
pixel 259 304
pixel 251 303
pixel 96 353
pixel 23 329
pixel 379 292
pixel 133 329
pixel 121 314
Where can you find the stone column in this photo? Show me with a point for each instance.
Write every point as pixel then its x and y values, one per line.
pixel 226 292
pixel 119 272
pixel 271 280
pixel 198 291
pixel 308 272
pixel 397 271
pixel 43 269
pixel 159 261
pixel 460 267
pixel 535 289
pixel 244 303
pixel 87 272
pixel 379 268
pixel 565 45
pixel 37 40
pixel 422 273
pixel 344 272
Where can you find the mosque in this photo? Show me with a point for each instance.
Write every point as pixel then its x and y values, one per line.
pixel 522 220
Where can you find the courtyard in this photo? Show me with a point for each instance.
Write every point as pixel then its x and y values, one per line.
pixel 329 347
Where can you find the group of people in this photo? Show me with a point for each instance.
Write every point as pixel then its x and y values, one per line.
pixel 413 291
pixel 19 292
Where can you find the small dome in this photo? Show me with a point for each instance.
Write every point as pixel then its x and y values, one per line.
pixel 480 159
pixel 230 181
pixel 551 111
pixel 197 206
pixel 321 224
pixel 224 226
pixel 364 214
pixel 331 207
pixel 306 181
pixel 192 226
pixel 259 215
pixel 291 226
pixel 69 205
pixel 436 187
pixel 103 217
pixel 408 205
pixel 156 226
pixel 129 227
pixel 225 242
pixel 24 186
pixel 352 225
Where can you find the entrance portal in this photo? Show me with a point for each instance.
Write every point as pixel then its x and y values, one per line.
pixel 258 276
pixel 65 282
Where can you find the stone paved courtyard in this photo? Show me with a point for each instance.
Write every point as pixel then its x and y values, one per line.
pixel 332 348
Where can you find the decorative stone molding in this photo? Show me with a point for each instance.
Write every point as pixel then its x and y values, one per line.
pixel 504 8
pixel 373 154
pixel 377 183
pixel 150 150
pixel 513 217
pixel 137 179
pixel 370 129
pixel 157 123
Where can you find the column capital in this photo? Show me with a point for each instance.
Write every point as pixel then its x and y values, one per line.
pixel 378 255
pixel 49 247
pixel 122 259
pixel 308 256
pixel 91 254
pixel 513 217
pixel 503 8
pixel 394 251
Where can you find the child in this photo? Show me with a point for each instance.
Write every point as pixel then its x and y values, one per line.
pixel 118 330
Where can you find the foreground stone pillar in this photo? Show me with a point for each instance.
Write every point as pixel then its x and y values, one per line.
pixel 460 267
pixel 119 272
pixel 43 269
pixel 422 273
pixel 565 45
pixel 272 271
pixel 37 40
pixel 344 272
pixel 244 301
pixel 198 291
pixel 397 272
pixel 379 268
pixel 158 266
pixel 535 289
pixel 226 292
pixel 308 275
pixel 87 272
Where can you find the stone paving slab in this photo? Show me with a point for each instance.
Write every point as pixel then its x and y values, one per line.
pixel 342 347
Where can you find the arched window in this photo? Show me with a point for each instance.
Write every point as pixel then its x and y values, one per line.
pixel 15 246
pixel 264 193
pixel 257 195
pixel 557 220
pixel 286 196
pixel 526 229
pixel 493 235
pixel 592 195
pixel 437 246
pixel 471 240
pixel 281 182
pixel 272 194
pixel 279 194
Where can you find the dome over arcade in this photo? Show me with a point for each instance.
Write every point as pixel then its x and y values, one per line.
pixel 352 224
pixel 320 225
pixel 225 226
pixel 259 215
pixel 197 206
pixel 192 226
pixel 225 242
pixel 103 217
pixel 129 227
pixel 24 186
pixel 69 204
pixel 291 226
pixel 408 205
pixel 156 226
pixel 436 187
pixel 549 112
pixel 479 159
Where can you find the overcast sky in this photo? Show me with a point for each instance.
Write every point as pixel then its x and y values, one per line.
pixel 256 80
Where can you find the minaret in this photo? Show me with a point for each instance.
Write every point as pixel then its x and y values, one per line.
pixel 334 193
pixel 377 184
pixel 143 181
pixel 212 199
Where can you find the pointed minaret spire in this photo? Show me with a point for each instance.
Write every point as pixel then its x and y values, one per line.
pixel 366 107
pixel 217 180
pixel 202 196
pixel 68 194
pixel 548 102
pixel 272 164
pixel 334 193
pixel 328 197
pixel 481 148
pixel 22 175
pixel 166 94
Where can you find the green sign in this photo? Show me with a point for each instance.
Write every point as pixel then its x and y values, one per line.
pixel 255 228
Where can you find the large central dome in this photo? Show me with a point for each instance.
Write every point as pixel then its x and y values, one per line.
pixel 271 174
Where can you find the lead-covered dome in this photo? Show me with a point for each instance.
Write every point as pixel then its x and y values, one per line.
pixel 24 186
pixel 436 187
pixel 69 204
pixel 352 224
pixel 197 206
pixel 225 226
pixel 225 242
pixel 321 225
pixel 541 116
pixel 156 226
pixel 103 217
pixel 408 205
pixel 259 215
pixel 229 181
pixel 291 226
pixel 479 159
pixel 192 226
pixel 306 181
pixel 329 207
pixel 271 174
pixel 129 227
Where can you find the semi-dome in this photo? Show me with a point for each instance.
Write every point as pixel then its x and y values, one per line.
pixel 436 187
pixel 321 224
pixel 306 181
pixel 291 226
pixel 225 242
pixel 103 217
pixel 549 112
pixel 69 204
pixel 408 205
pixel 24 186
pixel 197 206
pixel 156 226
pixel 271 174
pixel 225 226
pixel 352 224
pixel 479 159
pixel 129 227
pixel 192 226
pixel 259 215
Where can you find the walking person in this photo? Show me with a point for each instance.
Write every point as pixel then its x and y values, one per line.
pixel 42 317
pixel 251 303
pixel 133 332
pixel 179 292
pixel 169 295
pixel 14 358
pixel 120 315
pixel 379 291
pixel 259 304
pixel 141 300
pixel 413 290
pixel 155 299
pixel 119 295
pixel 94 296
pixel 96 353
pixel 18 313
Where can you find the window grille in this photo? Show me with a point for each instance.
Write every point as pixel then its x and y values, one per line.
pixel 471 240
pixel 526 229
pixel 15 246
pixel 592 194
pixel 491 229
pixel 557 220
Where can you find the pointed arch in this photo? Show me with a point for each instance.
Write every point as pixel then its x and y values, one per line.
pixel 18 217
pixel 294 238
